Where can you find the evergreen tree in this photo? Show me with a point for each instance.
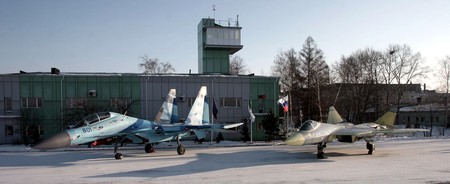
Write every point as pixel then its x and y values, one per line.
pixel 219 137
pixel 245 132
pixel 271 126
pixel 316 72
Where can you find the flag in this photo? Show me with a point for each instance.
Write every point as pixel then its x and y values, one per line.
pixel 252 116
pixel 284 103
pixel 215 110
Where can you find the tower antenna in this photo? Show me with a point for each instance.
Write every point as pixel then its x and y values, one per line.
pixel 214 10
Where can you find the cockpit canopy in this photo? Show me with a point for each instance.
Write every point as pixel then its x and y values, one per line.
pixel 93 118
pixel 309 125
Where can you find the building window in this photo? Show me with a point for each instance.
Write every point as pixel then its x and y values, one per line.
pixel 191 100
pixel 120 102
pixel 76 102
pixel 9 130
pixel 31 102
pixel 34 130
pixel 8 104
pixel 259 127
pixel 230 102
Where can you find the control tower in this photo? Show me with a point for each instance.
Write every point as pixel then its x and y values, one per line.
pixel 217 40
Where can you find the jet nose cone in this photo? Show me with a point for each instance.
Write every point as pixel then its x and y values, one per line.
pixel 295 140
pixel 58 141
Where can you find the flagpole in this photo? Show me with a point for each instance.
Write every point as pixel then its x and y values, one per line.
pixel 251 132
pixel 212 119
pixel 252 118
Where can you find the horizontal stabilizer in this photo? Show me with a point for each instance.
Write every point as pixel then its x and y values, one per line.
pixel 402 131
pixel 200 134
pixel 232 125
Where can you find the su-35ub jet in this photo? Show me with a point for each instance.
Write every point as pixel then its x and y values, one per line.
pixel 105 125
pixel 313 132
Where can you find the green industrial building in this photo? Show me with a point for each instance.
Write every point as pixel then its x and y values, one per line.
pixel 41 104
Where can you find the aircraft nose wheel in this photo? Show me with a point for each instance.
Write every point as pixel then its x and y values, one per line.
pixel 117 155
pixel 370 147
pixel 181 149
pixel 320 153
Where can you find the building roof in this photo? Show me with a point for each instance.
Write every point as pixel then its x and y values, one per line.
pixel 130 74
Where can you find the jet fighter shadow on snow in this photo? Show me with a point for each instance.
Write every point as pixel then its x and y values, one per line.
pixel 313 132
pixel 209 162
pixel 99 128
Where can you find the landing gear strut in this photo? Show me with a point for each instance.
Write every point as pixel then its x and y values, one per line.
pixel 117 155
pixel 320 153
pixel 370 147
pixel 149 148
pixel 180 148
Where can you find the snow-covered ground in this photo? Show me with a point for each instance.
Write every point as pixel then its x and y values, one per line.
pixel 396 160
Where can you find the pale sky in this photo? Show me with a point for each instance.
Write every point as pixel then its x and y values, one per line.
pixel 110 36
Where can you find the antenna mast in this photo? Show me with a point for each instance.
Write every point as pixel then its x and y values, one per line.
pixel 214 10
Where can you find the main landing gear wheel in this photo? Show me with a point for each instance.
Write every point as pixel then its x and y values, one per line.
pixel 149 148
pixel 181 149
pixel 370 147
pixel 320 153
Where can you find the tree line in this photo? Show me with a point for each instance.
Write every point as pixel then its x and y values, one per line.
pixel 362 85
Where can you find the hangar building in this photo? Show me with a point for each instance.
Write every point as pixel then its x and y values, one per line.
pixel 43 103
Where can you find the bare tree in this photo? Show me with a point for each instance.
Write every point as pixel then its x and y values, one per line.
pixel 153 65
pixel 444 78
pixel 387 72
pixel 166 68
pixel 359 74
pixel 286 66
pixel 237 65
pixel 408 66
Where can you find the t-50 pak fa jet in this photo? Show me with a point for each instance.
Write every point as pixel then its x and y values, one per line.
pixel 104 125
pixel 313 132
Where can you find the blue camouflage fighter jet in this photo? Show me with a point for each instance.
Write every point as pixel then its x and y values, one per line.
pixel 100 126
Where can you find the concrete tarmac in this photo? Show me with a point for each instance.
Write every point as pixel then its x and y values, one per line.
pixel 398 161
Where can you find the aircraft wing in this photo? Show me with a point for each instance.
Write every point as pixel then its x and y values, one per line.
pixel 368 132
pixel 213 126
pixel 359 132
pixel 134 132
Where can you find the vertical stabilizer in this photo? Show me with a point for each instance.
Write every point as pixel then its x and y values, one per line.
pixel 387 119
pixel 333 116
pixel 195 116
pixel 166 112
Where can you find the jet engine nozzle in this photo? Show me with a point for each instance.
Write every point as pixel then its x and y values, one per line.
pixel 58 141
